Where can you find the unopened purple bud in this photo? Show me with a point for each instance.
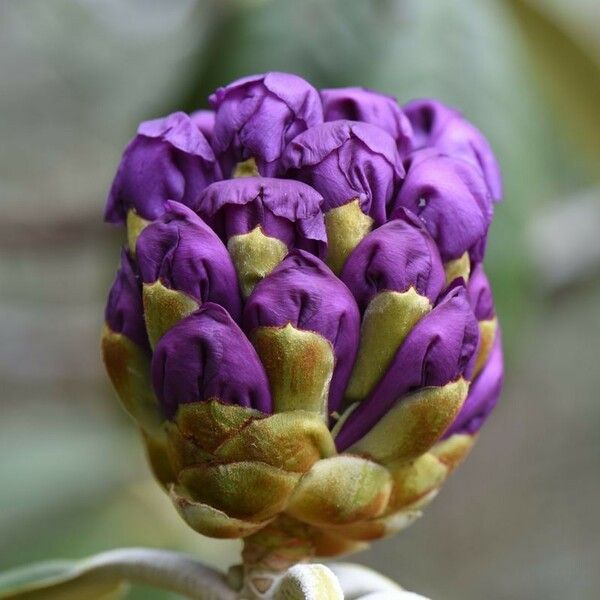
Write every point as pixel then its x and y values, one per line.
pixel 483 393
pixel 124 311
pixel 207 357
pixel 396 256
pixel 257 116
pixel 184 254
pixel 345 161
pixel 451 199
pixel 169 159
pixel 480 294
pixel 361 104
pixel 302 291
pixel 284 209
pixel 444 128
pixel 439 349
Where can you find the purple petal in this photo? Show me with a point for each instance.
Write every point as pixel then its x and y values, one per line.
pixel 483 394
pixel 285 209
pixel 169 159
pixel 480 294
pixel 450 197
pixel 396 256
pixel 204 120
pixel 440 126
pixel 368 106
pixel 206 356
pixel 304 292
pixel 181 251
pixel 344 160
pixel 124 311
pixel 257 116
pixel 440 349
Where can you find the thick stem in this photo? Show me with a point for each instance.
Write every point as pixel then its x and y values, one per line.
pixel 268 554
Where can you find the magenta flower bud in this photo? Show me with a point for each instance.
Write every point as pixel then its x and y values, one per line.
pixel 182 253
pixel 284 209
pixel 257 116
pixel 199 359
pixel 169 159
pixel 396 256
pixel 304 293
pixel 451 199
pixel 483 394
pixel 124 312
pixel 345 161
pixel 368 106
pixel 439 349
pixel 204 120
pixel 444 128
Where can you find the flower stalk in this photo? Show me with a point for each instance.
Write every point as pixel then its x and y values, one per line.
pixel 270 552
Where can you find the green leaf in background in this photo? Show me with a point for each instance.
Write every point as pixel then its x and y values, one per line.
pixel 57 580
pixel 568 69
pixel 106 576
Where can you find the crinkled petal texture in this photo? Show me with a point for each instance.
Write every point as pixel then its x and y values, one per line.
pixel 169 159
pixel 345 161
pixel 284 209
pixel 452 201
pixel 368 106
pixel 199 359
pixel 303 292
pixel 257 116
pixel 302 326
pixel 124 312
pixel 181 252
pixel 444 128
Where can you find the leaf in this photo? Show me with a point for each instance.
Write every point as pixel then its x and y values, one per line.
pixel 106 577
pixel 568 72
pixel 58 580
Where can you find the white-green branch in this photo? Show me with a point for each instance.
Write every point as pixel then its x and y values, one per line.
pixel 108 574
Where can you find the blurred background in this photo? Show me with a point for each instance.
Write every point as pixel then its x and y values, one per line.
pixel 519 520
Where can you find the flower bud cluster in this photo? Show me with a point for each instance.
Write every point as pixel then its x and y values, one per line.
pixel 301 324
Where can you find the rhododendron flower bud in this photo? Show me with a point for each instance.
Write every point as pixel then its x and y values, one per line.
pixel 183 263
pixel 309 346
pixel 261 219
pixel 169 159
pixel 124 312
pixel 396 275
pixel 368 106
pixel 438 126
pixel 257 116
pixel 304 323
pixel 198 359
pixel 356 167
pixel 451 199
pixel 438 351
pixel 488 374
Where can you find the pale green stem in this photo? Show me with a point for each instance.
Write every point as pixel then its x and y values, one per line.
pixel 172 571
